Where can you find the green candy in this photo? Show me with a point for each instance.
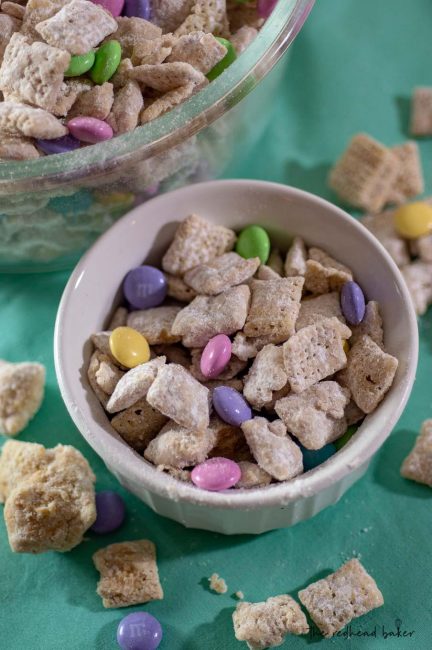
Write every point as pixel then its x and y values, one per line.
pixel 253 241
pixel 107 61
pixel 341 442
pixel 80 64
pixel 229 58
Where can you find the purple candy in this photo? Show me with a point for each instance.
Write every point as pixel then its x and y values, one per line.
pixel 145 287
pixel 110 512
pixel 216 474
pixel 231 406
pixel 265 7
pixel 139 631
pixel 137 9
pixel 59 145
pixel 113 6
pixel 353 302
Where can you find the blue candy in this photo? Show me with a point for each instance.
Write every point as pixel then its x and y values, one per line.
pixel 137 9
pixel 139 631
pixel 313 458
pixel 59 145
pixel 145 287
pixel 353 303
pixel 231 406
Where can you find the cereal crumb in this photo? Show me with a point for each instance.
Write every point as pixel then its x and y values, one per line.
pixel 218 584
pixel 239 595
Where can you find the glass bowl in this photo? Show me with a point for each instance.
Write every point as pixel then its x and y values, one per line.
pixel 53 208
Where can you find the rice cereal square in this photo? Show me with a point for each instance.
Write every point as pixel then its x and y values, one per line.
pixel 344 595
pixel 417 466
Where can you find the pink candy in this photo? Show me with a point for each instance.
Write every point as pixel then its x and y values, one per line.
pixel 113 6
pixel 215 356
pixel 89 129
pixel 216 474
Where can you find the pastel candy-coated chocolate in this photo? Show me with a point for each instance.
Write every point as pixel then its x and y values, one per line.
pixel 129 347
pixel 139 631
pixel 137 9
pixel 90 129
pixel 253 241
pixel 110 512
pixel 341 442
pixel 353 303
pixel 107 60
pixel 231 406
pixel 80 64
pixel 313 458
pixel 59 145
pixel 265 7
pixel 114 7
pixel 216 474
pixel 413 220
pixel 224 63
pixel 145 287
pixel 215 356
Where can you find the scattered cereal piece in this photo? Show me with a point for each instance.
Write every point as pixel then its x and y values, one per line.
pixel 317 415
pixel 207 316
pixel 418 278
pixel 50 498
pixel 179 396
pixel 208 16
pixel 248 347
pixel 134 385
pixel 295 261
pixel 266 375
pixel 315 352
pixel 365 174
pixel 169 14
pixel 13 147
pixel 275 453
pixel 138 424
pixel 312 310
pixel 96 360
pixel 220 274
pixel 353 413
pixel 178 447
pixel 196 241
pixel 252 475
pixel 96 102
pixel 421 111
pixel 239 595
pixel 21 394
pixel 78 27
pixel 126 108
pixel 107 375
pixel 372 325
pixel 38 11
pixel 409 181
pixel 131 31
pixel 178 289
pixel 417 466
pixel 18 119
pixel 13 9
pixel 166 102
pixel 202 51
pixel 242 13
pixel 156 324
pixel 154 51
pixel 275 305
pixel 382 226
pixel 218 584
pixel 8 26
pixel 70 90
pixel 324 274
pixel 33 72
pixel 129 573
pixel 424 248
pixel 369 374
pixel 266 624
pixel 231 370
pixel 243 37
pixel 344 595
pixel 275 261
pixel 101 342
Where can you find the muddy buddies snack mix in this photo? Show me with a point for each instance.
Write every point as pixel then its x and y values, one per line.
pixel 236 376
pixel 78 72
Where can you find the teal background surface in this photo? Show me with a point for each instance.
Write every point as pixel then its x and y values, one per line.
pixel 352 69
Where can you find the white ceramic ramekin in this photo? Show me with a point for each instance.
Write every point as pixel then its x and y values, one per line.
pixel 93 291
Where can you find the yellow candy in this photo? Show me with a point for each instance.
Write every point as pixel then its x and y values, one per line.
pixel 346 346
pixel 129 347
pixel 413 220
